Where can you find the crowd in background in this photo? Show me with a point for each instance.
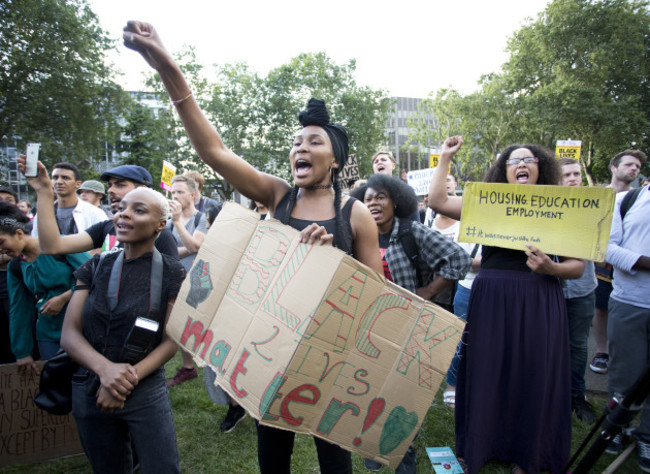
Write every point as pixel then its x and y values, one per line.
pixel 518 373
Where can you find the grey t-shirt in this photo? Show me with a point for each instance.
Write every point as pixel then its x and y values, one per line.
pixel 579 287
pixel 202 226
pixel 65 220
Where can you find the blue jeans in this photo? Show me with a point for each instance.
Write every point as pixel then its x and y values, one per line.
pixel 48 349
pixel 461 301
pixel 580 312
pixel 146 419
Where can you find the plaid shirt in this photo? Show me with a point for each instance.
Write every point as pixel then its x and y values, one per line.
pixel 437 256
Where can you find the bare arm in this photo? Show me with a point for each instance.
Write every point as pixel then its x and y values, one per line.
pixel 434 287
pixel 567 268
pixel 50 240
pixel 450 206
pixel 253 184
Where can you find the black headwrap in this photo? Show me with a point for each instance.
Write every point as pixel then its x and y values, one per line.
pixel 316 114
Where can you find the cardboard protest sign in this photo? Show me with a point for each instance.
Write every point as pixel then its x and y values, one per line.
pixel 308 339
pixel 568 149
pixel 350 171
pixel 168 173
pixel 27 433
pixel 570 221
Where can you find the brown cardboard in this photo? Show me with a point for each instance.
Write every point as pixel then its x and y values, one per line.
pixel 310 340
pixel 27 433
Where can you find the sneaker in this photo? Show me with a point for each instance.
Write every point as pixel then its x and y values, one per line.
pixel 643 455
pixel 617 444
pixel 235 415
pixel 183 375
pixel 583 409
pixel 372 465
pixel 600 363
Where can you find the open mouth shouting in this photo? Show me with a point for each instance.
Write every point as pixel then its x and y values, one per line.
pixel 302 168
pixel 522 176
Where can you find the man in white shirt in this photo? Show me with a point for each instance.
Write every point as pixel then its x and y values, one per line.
pixel 628 325
pixel 72 214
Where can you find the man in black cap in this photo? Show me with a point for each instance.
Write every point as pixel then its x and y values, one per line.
pixel 121 180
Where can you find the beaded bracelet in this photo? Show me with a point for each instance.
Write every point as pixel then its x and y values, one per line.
pixel 178 102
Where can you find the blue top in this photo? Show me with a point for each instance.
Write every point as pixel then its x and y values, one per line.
pixel 44 278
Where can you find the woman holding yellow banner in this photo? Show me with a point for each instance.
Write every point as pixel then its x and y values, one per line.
pixel 513 398
pixel 315 205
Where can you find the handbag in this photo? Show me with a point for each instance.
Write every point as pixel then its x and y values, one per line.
pixel 55 387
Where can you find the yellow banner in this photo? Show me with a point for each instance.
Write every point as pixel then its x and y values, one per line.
pixel 168 173
pixel 560 220
pixel 433 160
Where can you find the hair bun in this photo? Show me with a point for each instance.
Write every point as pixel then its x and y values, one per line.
pixel 316 114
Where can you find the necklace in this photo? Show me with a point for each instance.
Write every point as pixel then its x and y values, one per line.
pixel 320 186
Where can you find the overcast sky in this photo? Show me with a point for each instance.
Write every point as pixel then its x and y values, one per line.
pixel 407 47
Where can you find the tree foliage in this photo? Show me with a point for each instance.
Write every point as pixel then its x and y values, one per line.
pixel 581 70
pixel 584 69
pixel 54 85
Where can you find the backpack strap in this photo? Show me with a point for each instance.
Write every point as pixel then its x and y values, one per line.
pixel 629 199
pixel 475 250
pixel 407 240
pixel 141 337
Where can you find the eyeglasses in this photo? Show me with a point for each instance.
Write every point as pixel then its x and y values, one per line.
pixel 527 159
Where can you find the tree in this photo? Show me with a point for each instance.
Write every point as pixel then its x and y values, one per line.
pixel 54 85
pixel 148 138
pixel 582 70
pixel 488 120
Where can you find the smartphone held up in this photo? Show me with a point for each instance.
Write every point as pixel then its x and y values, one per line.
pixel 31 168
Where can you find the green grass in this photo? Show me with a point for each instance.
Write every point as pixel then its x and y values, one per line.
pixel 204 449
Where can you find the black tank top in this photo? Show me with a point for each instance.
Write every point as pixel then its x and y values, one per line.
pixel 299 224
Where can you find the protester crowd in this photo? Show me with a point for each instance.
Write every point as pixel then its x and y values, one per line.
pixel 518 373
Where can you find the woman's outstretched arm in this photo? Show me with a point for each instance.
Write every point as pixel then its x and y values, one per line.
pixel 261 187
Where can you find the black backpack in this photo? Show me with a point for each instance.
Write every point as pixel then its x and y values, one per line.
pixel 407 240
pixel 629 199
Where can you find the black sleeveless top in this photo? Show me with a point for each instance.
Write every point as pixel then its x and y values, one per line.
pixel 299 224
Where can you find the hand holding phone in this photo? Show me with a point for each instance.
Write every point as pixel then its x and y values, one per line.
pixel 31 168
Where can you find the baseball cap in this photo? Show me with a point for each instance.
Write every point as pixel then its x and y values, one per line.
pixel 134 173
pixel 92 185
pixel 8 190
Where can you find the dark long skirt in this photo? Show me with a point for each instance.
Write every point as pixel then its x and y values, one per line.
pixel 513 399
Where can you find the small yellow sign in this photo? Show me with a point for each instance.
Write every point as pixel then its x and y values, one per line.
pixel 568 149
pixel 560 220
pixel 433 160
pixel 168 173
